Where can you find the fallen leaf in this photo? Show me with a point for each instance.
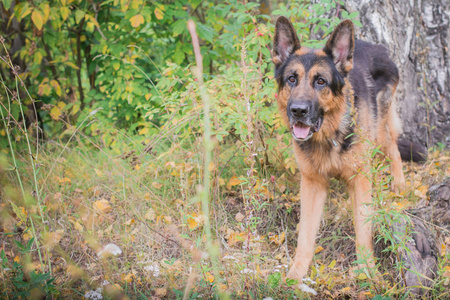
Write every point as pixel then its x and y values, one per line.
pixel 362 276
pixel 77 225
pixel 233 182
pixel 102 206
pixel 160 292
pixel 318 249
pixel 129 222
pixel 277 239
pixel 128 278
pixel 239 217
pixel 209 277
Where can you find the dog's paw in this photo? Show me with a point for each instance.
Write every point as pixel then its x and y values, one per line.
pixel 398 186
pixel 294 276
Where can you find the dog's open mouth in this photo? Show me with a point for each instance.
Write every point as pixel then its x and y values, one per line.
pixel 302 132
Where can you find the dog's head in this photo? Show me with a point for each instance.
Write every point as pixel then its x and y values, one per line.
pixel 310 81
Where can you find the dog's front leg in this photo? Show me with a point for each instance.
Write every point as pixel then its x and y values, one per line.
pixel 360 189
pixel 313 193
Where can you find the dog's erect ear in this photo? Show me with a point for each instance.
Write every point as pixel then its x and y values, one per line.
pixel 340 46
pixel 285 41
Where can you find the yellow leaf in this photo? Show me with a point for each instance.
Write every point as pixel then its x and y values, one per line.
pixel 46 10
pixel 318 249
pixel 20 213
pixel 93 20
pixel 71 64
pixel 421 191
pixel 44 89
pixel 209 277
pixel 129 222
pixel 64 11
pixel 77 225
pixel 158 13
pixel 56 87
pixel 128 278
pixel 137 20
pixel 192 223
pixel 277 239
pixel 143 131
pixel 362 276
pixel 98 172
pixel 102 206
pixel 137 167
pixel 345 290
pixel 38 19
pixel 233 182
pixel 64 180
pixel 38 58
pixel 17 258
pixel 221 182
pixel 332 264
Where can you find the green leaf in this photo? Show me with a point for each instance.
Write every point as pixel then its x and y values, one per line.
pixel 178 27
pixel 79 14
pixel 275 279
pixel 291 282
pixel 6 4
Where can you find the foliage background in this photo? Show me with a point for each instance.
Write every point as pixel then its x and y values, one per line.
pixel 103 125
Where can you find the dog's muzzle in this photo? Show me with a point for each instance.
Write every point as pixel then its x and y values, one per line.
pixel 303 125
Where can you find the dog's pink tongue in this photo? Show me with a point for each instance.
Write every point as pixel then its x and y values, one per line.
pixel 301 131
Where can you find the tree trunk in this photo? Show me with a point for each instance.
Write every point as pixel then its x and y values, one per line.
pixel 417 34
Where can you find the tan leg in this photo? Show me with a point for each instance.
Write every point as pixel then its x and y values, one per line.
pixel 313 194
pixel 360 192
pixel 393 123
pixel 388 130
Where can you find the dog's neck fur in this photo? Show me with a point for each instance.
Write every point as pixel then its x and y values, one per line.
pixel 336 125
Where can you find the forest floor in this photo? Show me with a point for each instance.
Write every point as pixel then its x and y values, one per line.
pixel 116 225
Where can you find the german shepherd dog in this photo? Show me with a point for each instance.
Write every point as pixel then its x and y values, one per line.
pixel 332 100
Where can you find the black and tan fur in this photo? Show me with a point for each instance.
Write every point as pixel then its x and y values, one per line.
pixel 336 101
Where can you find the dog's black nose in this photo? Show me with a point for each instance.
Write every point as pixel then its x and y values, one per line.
pixel 299 109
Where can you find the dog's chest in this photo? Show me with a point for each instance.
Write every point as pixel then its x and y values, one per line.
pixel 327 161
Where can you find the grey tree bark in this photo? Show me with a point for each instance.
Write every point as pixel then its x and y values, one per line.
pixel 417 34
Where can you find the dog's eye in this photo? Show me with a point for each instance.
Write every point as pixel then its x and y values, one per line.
pixel 321 81
pixel 292 79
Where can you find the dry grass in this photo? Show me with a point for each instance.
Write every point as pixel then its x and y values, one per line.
pixel 150 211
